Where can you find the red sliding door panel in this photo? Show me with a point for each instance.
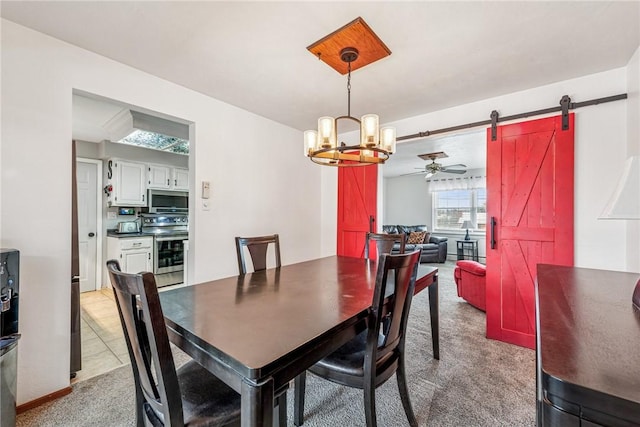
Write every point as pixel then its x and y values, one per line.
pixel 530 198
pixel 357 203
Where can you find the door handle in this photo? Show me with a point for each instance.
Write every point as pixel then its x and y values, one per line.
pixel 493 232
pixel 92 234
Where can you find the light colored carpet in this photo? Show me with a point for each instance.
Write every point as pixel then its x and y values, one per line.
pixel 477 382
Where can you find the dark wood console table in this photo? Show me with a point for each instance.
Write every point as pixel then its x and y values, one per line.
pixel 588 348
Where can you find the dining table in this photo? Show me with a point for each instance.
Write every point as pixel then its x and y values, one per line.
pixel 258 331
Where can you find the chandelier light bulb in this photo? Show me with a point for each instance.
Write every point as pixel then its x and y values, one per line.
pixel 326 132
pixel 388 139
pixel 310 142
pixel 369 135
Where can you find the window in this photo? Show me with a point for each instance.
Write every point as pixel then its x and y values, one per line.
pixel 451 208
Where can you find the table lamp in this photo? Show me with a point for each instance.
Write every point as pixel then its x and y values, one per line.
pixel 467 225
pixel 625 204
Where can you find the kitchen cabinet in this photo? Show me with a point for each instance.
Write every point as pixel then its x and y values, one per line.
pixel 159 177
pixel 164 177
pixel 126 183
pixel 135 254
pixel 181 179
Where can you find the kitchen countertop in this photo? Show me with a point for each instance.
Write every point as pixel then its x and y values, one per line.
pixel 114 233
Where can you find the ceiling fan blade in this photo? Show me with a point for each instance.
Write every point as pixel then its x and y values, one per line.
pixel 455 166
pixel 453 171
pixel 412 173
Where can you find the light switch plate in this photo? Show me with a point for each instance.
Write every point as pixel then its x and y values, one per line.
pixel 205 189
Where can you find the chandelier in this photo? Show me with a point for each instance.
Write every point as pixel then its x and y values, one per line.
pixel 376 144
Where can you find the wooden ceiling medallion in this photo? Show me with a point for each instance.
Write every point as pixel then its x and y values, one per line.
pixel 356 34
pixel 433 156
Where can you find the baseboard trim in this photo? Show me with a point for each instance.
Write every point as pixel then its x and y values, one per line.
pixel 42 400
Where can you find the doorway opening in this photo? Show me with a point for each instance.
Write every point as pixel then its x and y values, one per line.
pixel 98 126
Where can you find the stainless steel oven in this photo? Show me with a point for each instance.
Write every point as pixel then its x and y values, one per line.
pixel 169 231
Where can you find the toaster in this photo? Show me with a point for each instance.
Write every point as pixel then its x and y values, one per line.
pixel 128 227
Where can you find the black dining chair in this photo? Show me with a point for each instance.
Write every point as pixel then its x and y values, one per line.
pixel 373 356
pixel 257 247
pixel 384 242
pixel 165 396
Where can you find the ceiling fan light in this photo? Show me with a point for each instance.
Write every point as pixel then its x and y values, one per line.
pixel 326 132
pixel 429 174
pixel 310 142
pixel 369 130
pixel 388 139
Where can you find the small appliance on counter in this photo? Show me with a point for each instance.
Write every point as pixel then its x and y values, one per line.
pixel 9 336
pixel 128 227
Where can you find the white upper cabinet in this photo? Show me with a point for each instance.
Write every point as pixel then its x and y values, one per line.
pixel 126 183
pixel 181 179
pixel 159 176
pixel 164 177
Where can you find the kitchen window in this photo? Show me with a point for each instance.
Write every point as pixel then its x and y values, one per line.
pixel 452 207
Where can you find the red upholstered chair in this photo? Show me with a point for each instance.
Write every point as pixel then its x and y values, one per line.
pixel 470 280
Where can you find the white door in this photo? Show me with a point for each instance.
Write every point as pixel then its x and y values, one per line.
pixel 87 174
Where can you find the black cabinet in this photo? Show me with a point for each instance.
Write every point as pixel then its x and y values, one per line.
pixel 588 363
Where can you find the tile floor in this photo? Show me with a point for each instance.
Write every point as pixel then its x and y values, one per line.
pixel 103 345
pixel 102 339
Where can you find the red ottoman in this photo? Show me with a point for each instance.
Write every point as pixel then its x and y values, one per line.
pixel 470 281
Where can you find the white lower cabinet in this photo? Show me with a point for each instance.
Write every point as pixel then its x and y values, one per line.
pixel 135 254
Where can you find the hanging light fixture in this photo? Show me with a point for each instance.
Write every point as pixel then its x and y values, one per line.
pixel 376 144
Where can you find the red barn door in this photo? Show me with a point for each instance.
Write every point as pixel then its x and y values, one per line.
pixel 530 200
pixel 357 203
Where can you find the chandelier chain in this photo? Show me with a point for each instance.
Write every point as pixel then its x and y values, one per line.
pixel 349 90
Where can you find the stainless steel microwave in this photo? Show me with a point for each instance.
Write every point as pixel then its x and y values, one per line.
pixel 163 201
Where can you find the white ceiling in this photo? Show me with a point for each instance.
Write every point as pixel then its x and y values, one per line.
pixel 253 54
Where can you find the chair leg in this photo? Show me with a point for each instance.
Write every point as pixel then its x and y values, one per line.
pixel 404 392
pixel 370 403
pixel 282 409
pixel 298 401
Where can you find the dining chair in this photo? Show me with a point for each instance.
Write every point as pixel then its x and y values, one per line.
pixel 384 242
pixel 165 396
pixel 374 355
pixel 257 247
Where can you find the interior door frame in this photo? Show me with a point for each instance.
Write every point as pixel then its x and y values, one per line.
pixel 99 230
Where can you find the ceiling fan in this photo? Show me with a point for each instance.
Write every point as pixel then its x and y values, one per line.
pixel 433 168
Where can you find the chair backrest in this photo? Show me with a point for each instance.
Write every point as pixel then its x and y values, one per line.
pixel 391 317
pixel 148 344
pixel 257 247
pixel 384 242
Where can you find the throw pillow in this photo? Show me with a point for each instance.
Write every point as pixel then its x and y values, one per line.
pixel 416 237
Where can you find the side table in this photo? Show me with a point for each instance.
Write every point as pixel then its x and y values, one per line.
pixel 467 249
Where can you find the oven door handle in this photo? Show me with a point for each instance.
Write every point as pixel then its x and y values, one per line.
pixel 169 238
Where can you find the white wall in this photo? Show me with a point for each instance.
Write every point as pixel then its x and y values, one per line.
pixel 261 183
pixel 633 149
pixel 600 152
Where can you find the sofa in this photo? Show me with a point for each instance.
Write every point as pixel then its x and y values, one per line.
pixel 434 249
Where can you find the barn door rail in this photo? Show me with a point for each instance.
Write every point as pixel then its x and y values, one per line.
pixel 564 107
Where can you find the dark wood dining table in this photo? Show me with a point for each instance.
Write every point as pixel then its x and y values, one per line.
pixel 258 331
